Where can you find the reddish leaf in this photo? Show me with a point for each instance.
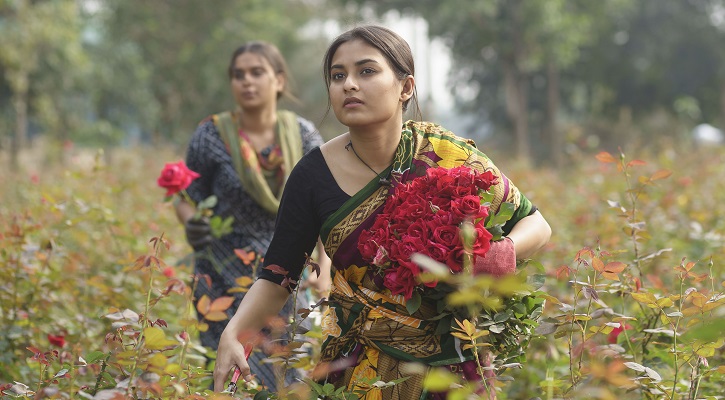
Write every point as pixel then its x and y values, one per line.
pixel 661 174
pixel 277 269
pixel 583 252
pixel 563 272
pixel 605 157
pixel 615 267
pixel 247 257
pixel 634 163
pixel 597 264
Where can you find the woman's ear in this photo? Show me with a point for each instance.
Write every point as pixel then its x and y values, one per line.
pixel 408 88
pixel 281 82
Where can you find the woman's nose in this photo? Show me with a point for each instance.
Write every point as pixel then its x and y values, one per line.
pixel 350 83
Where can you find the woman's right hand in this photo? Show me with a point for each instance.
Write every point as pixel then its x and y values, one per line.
pixel 230 354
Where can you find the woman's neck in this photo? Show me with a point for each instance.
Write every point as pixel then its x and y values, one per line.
pixel 376 145
pixel 257 121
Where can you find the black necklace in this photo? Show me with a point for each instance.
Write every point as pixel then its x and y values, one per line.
pixel 383 181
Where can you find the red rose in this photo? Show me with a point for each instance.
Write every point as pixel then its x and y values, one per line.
pixel 176 177
pixel 419 229
pixel 400 280
pixel 56 340
pixel 366 246
pixel 438 251
pixel 169 272
pixel 469 207
pixel 404 248
pixel 485 180
pixel 612 338
pixel 483 240
pixel 447 235
pixel 455 259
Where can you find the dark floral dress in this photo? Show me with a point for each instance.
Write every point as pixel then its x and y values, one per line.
pixel 252 229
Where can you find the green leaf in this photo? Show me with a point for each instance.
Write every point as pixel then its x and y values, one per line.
pixel 94 357
pixel 156 339
pixel 444 325
pixel 221 227
pixel 413 304
pixel 207 203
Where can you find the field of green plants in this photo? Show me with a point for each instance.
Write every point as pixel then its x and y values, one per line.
pixel 96 281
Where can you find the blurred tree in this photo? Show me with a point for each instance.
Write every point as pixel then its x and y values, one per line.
pixel 661 55
pixel 529 63
pixel 38 39
pixel 186 45
pixel 499 48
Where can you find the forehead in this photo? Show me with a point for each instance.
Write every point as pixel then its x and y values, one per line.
pixel 356 50
pixel 249 59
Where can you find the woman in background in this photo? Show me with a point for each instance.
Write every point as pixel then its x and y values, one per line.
pixel 244 158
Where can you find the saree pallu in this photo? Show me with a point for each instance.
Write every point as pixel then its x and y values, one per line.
pixel 368 332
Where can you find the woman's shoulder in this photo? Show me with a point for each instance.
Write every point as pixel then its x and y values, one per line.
pixel 310 163
pixel 431 130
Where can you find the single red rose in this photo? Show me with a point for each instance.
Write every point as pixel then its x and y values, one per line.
pixel 447 235
pixel 469 207
pixel 438 251
pixel 56 340
pixel 612 338
pixel 455 259
pixel 483 240
pixel 169 272
pixel 366 246
pixel 403 249
pixel 176 177
pixel 419 229
pixel 400 280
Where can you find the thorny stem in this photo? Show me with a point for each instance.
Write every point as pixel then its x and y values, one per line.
pixel 145 320
pixel 674 336
pixel 100 374
pixel 584 328
pixel 570 341
pixel 633 216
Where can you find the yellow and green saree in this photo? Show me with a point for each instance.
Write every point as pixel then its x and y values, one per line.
pixel 368 331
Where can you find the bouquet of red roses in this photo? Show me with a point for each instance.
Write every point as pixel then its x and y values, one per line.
pixel 425 216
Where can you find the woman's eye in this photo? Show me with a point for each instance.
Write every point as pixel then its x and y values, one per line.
pixel 238 75
pixel 258 72
pixel 338 76
pixel 367 71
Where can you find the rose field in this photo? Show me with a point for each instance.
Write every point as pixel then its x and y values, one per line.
pixel 96 284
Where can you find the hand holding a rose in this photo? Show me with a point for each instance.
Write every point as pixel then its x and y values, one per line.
pixel 199 228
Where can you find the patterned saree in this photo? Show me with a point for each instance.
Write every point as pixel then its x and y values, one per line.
pixel 368 333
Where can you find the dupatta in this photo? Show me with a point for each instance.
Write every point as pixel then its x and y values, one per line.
pixel 245 161
pixel 364 323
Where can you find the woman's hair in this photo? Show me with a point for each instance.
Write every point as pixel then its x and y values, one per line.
pixel 273 56
pixel 393 47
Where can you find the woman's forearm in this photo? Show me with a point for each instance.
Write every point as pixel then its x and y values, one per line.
pixel 264 301
pixel 530 234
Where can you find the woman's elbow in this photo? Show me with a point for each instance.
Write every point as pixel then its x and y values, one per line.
pixel 543 229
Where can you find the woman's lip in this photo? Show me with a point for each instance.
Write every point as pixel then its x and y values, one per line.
pixel 352 102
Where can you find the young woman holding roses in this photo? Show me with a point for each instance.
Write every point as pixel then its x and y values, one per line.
pixel 243 158
pixel 367 329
